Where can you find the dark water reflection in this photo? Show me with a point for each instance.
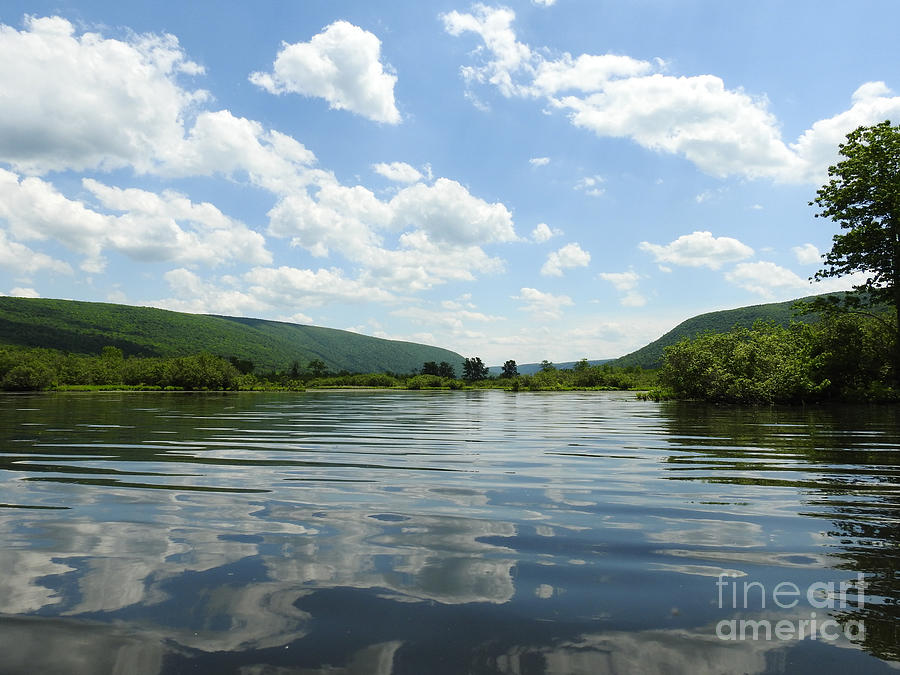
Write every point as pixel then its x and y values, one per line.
pixel 459 532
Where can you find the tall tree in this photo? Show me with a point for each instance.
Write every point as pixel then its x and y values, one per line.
pixel 510 369
pixel 474 369
pixel 863 196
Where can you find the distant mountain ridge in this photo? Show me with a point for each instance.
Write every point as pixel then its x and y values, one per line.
pixel 86 327
pixel 651 355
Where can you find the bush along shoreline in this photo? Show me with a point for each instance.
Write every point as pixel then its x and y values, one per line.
pixel 843 357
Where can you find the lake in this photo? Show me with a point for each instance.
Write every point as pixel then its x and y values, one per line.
pixel 354 532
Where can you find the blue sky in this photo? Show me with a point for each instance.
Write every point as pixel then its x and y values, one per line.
pixel 534 180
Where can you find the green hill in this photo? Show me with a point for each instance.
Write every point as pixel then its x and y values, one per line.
pixel 87 327
pixel 651 356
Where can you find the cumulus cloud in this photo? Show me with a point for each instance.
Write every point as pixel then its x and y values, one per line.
pixel 449 213
pixel 807 254
pixel 543 232
pixel 193 294
pixel 149 227
pixel 420 263
pixel 626 283
pixel 724 131
pixel 304 288
pixel 342 65
pixel 539 161
pixel 170 227
pixel 399 172
pixel 543 305
pixel 337 217
pixel 569 256
pixel 263 289
pixel 764 278
pixel 443 227
pixel 494 26
pixel 21 259
pixel 80 102
pixel 768 280
pixel 698 249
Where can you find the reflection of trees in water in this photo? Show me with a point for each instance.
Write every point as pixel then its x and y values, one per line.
pixel 845 460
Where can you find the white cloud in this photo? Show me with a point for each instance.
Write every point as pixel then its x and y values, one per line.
pixel 24 293
pixel 872 102
pixel 79 102
pixel 586 73
pixel 420 263
pixel 626 283
pixel 764 278
pixel 449 213
pixel 36 211
pixel 399 172
pixel 543 305
pixel 442 225
pixel 495 28
pixel 543 232
pixel 591 185
pixel 303 288
pixel 723 131
pixel 544 3
pixel 338 217
pixel 196 295
pixel 539 161
pixel 768 280
pixel 569 256
pixel 220 143
pixel 698 249
pixel 265 289
pixel 807 254
pixel 152 228
pixel 170 227
pixel 342 64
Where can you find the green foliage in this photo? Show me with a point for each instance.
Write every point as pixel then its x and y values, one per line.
pixel 510 369
pixel 446 370
pixel 863 196
pixel 86 327
pixel 425 382
pixel 31 376
pixel 474 369
pixel 841 357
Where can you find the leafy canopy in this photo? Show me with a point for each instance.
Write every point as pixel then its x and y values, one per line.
pixel 863 197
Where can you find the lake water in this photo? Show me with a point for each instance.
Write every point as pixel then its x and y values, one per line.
pixel 445 532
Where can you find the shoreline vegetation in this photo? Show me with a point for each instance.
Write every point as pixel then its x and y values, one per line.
pixel 842 357
pixel 42 369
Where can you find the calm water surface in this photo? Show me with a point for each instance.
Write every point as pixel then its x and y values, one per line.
pixel 455 532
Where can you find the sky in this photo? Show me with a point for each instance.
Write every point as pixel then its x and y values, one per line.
pixel 541 179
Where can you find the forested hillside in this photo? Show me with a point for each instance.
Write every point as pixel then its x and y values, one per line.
pixel 87 327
